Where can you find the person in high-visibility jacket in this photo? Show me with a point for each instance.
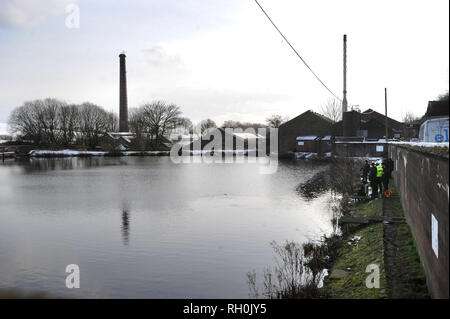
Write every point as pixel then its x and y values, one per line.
pixel 380 178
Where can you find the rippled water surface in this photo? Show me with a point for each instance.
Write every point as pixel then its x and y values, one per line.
pixel 143 227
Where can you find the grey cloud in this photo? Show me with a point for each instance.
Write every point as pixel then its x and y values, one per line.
pixel 157 56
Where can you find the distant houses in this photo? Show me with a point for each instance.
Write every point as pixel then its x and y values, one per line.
pixel 320 145
pixel 220 139
pixel 308 123
pixel 315 133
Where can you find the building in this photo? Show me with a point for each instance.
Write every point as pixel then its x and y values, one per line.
pixel 369 124
pixel 229 141
pixel 309 143
pixel 373 125
pixel 308 123
pixel 320 146
pixel 437 109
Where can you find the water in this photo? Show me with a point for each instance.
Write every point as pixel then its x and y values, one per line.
pixel 142 227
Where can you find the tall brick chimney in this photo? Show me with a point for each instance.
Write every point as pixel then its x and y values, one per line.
pixel 123 109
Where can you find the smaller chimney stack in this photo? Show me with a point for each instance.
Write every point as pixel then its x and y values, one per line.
pixel 344 99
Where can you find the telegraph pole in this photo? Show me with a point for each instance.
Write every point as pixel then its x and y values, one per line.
pixel 344 100
pixel 385 111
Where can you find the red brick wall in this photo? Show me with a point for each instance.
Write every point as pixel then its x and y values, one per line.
pixel 422 180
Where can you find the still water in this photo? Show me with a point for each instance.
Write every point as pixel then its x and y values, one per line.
pixel 143 227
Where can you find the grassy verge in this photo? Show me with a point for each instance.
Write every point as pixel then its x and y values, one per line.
pixel 353 258
pixel 363 209
pixel 364 245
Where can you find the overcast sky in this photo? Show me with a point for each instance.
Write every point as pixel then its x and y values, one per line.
pixel 222 59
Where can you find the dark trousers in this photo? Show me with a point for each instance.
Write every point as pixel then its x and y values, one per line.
pixel 380 184
pixel 374 186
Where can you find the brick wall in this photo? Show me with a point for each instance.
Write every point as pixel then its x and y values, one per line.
pixel 343 149
pixel 422 180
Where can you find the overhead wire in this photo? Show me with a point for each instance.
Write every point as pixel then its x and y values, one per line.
pixel 296 52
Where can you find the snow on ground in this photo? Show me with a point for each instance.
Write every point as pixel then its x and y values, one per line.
pixel 68 153
pixel 423 144
pixel 64 153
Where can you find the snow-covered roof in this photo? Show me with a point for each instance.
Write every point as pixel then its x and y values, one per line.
pixel 362 142
pixel 307 138
pixel 246 136
pixel 326 138
pixel 127 136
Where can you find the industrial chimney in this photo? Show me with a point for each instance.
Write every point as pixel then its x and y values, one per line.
pixel 123 100
pixel 344 99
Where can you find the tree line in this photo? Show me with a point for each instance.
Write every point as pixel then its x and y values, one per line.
pixel 52 122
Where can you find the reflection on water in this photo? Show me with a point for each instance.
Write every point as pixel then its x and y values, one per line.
pixel 315 186
pixel 31 165
pixel 125 226
pixel 197 228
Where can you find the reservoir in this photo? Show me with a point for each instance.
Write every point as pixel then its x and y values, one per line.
pixel 144 227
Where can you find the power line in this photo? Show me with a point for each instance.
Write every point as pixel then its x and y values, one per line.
pixel 304 62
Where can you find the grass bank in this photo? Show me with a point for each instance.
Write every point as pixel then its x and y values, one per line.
pixel 361 247
pixel 388 245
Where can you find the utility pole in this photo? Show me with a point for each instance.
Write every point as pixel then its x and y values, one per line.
pixel 385 111
pixel 344 100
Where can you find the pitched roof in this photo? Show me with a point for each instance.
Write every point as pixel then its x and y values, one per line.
pixel 437 108
pixel 369 115
pixel 320 116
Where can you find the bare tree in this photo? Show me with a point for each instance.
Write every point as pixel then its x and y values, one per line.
pixel 207 124
pixel 93 123
pixel 37 120
pixel 186 124
pixel 275 120
pixel 50 120
pixel 138 127
pixel 113 122
pixel 408 117
pixel 54 122
pixel 68 118
pixel 160 118
pixel 443 97
pixel 242 125
pixel 332 109
pixel 25 120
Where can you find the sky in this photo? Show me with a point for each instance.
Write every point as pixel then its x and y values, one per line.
pixel 222 59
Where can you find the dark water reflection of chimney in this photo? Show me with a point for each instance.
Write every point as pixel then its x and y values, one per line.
pixel 125 226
